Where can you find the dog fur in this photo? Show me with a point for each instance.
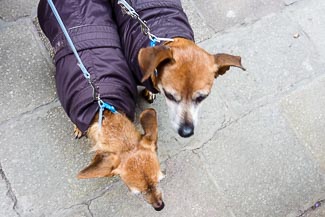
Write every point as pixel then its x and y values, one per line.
pixel 120 149
pixel 185 77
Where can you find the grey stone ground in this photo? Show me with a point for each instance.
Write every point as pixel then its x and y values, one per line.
pixel 259 148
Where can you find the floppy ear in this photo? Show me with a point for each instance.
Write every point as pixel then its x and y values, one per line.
pixel 102 165
pixel 149 58
pixel 148 120
pixel 224 61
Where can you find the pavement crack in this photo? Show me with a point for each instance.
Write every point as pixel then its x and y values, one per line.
pixel 32 113
pixel 89 210
pixel 87 202
pixel 225 123
pixel 312 208
pixel 10 193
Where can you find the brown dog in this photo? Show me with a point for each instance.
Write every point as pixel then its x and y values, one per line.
pixel 121 150
pixel 186 74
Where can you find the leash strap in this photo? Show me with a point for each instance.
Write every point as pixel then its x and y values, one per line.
pixel 127 9
pixel 102 105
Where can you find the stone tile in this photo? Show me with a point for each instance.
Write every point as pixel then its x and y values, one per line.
pixel 13 10
pixel 27 76
pixel 202 30
pixel 221 15
pixel 75 211
pixel 276 62
pixel 310 16
pixel 187 192
pixel 261 167
pixel 41 160
pixel 305 112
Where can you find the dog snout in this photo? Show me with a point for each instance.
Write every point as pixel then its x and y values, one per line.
pixel 158 206
pixel 186 130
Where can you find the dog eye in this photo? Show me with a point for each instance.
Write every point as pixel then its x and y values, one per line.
pixel 200 98
pixel 170 96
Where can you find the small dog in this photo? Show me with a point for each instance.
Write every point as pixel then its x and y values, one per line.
pixel 185 72
pixel 121 150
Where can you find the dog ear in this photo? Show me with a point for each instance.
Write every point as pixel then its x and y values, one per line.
pixel 149 58
pixel 224 61
pixel 149 123
pixel 102 165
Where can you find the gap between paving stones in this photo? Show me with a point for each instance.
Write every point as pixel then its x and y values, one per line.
pixel 10 193
pixel 98 194
pixel 35 112
pixel 312 208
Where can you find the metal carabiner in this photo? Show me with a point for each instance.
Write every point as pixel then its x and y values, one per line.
pixel 127 9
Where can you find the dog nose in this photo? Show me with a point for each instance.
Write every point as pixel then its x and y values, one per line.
pixel 186 130
pixel 159 205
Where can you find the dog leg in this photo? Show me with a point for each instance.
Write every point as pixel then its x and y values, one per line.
pixel 77 133
pixel 149 96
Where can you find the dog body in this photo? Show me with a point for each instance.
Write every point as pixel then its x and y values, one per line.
pixel 120 149
pixel 186 72
pixel 92 28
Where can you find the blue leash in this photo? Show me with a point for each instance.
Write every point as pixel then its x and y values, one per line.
pixel 102 104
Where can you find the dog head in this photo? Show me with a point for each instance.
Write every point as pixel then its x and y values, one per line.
pixel 137 165
pixel 186 74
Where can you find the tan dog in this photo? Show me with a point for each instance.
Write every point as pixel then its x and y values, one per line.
pixel 185 76
pixel 121 150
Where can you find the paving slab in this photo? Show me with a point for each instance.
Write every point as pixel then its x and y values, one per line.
pixel 41 159
pixel 187 189
pixel 310 16
pixel 275 60
pixel 221 15
pixel 27 75
pixel 305 112
pixel 13 10
pixel 75 211
pixel 261 167
pixel 202 30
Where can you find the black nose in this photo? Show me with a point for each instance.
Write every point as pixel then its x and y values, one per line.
pixel 160 206
pixel 186 130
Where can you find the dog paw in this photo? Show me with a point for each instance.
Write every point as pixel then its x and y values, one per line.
pixel 77 133
pixel 149 96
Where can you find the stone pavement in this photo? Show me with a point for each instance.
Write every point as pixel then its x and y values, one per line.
pixel 259 147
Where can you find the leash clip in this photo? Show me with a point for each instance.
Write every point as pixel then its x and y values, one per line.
pixel 102 106
pixel 127 9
